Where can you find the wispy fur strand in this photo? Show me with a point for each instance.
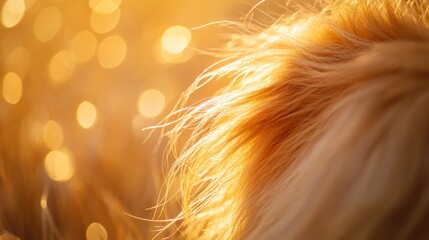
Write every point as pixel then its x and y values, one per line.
pixel 323 132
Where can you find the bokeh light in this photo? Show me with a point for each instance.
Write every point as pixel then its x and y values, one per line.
pixel 96 231
pixel 76 76
pixel 44 201
pixel 112 51
pixel 12 88
pixel 12 12
pixel 36 119
pixel 175 58
pixel 29 3
pixel 104 6
pixel 138 123
pixel 151 103
pixel 47 24
pixel 52 134
pixel 104 22
pixel 86 114
pixel 61 66
pixel 18 61
pixel 175 39
pixel 83 46
pixel 59 165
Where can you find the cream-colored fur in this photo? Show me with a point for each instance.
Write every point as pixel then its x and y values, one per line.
pixel 323 132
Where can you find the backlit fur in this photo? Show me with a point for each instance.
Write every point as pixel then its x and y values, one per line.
pixel 323 132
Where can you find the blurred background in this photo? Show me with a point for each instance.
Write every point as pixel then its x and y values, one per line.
pixel 79 81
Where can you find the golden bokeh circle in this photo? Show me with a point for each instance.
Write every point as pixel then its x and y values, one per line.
pixel 151 103
pixel 61 66
pixel 175 39
pixel 104 23
pixel 104 6
pixel 96 231
pixel 112 51
pixel 47 24
pixel 52 134
pixel 12 12
pixel 12 88
pixel 83 46
pixel 59 165
pixel 86 114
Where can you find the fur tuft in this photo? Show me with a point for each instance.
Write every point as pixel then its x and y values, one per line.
pixel 321 134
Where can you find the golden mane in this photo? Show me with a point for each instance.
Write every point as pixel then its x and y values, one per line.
pixel 322 132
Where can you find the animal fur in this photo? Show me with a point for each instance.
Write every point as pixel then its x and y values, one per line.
pixel 322 133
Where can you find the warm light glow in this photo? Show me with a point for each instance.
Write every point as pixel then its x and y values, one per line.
pixel 175 39
pixel 12 12
pixel 103 23
pixel 52 134
pixel 8 236
pixel 151 103
pixel 44 201
pixel 104 6
pixel 96 231
pixel 59 166
pixel 47 24
pixel 37 117
pixel 12 88
pixel 298 29
pixel 83 46
pixel 138 123
pixel 112 51
pixel 176 58
pixel 18 61
pixel 86 114
pixel 61 66
pixel 29 3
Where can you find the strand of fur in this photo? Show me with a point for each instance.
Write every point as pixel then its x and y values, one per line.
pixel 283 80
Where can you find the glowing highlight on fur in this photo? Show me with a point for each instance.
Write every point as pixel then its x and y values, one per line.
pixel 314 127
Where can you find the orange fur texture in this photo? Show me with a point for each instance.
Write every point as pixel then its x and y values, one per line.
pixel 323 132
